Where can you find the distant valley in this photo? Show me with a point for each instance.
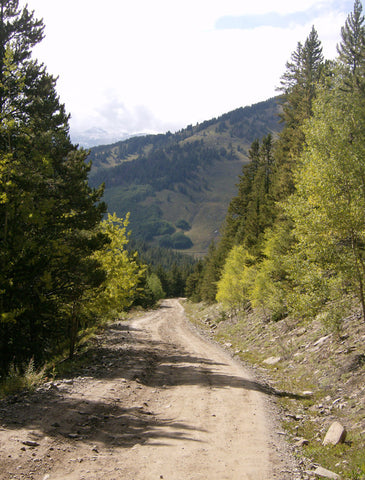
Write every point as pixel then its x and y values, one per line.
pixel 177 186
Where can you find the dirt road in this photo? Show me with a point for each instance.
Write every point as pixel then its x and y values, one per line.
pixel 157 401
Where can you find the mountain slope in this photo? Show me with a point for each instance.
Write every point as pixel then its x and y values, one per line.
pixel 177 186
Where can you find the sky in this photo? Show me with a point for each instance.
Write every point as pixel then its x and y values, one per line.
pixel 138 66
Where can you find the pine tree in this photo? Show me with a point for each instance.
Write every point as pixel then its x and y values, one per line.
pixel 351 50
pixel 298 85
pixel 259 213
pixel 47 210
pixel 211 272
pixel 237 208
pixel 250 212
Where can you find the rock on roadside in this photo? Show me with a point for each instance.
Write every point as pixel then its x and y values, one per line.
pixel 322 472
pixel 336 434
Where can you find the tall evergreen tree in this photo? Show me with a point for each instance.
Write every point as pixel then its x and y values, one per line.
pixel 259 213
pixel 298 86
pixel 351 50
pixel 211 272
pixel 47 210
pixel 250 212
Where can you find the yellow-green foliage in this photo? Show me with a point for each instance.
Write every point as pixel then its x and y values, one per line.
pixel 123 273
pixel 328 206
pixel 237 279
pixel 272 273
pixel 154 284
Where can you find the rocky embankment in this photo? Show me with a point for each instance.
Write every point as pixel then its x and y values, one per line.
pixel 319 377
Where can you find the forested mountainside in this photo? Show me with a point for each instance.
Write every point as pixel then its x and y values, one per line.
pixel 177 186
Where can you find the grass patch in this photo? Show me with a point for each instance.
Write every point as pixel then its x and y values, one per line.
pixel 19 379
pixel 27 377
pixel 348 459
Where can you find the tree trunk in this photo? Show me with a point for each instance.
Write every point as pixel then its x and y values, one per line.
pixel 73 330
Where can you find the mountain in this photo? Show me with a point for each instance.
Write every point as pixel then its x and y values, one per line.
pixel 98 136
pixel 177 186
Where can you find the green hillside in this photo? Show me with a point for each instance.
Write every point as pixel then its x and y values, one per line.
pixel 177 186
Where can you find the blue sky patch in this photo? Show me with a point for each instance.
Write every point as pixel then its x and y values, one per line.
pixel 277 20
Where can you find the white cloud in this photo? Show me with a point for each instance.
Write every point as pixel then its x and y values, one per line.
pixel 161 64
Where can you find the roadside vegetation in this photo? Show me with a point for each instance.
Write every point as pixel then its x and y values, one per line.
pixel 293 239
pixel 314 374
pixel 64 268
pixel 291 257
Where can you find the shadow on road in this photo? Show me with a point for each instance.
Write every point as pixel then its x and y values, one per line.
pixel 57 415
pixel 130 355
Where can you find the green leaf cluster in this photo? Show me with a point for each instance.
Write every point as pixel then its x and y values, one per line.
pixel 49 215
pixel 123 272
pixel 235 284
pixel 294 238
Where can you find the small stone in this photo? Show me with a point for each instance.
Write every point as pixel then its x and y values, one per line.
pixel 301 331
pixel 272 360
pixel 30 443
pixel 295 417
pixel 53 386
pixel 322 472
pixel 321 341
pixel 301 442
pixel 336 434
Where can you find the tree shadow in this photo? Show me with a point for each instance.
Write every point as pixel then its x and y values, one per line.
pixel 78 420
pixel 160 364
pixel 122 327
pixel 128 354
pixel 184 369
